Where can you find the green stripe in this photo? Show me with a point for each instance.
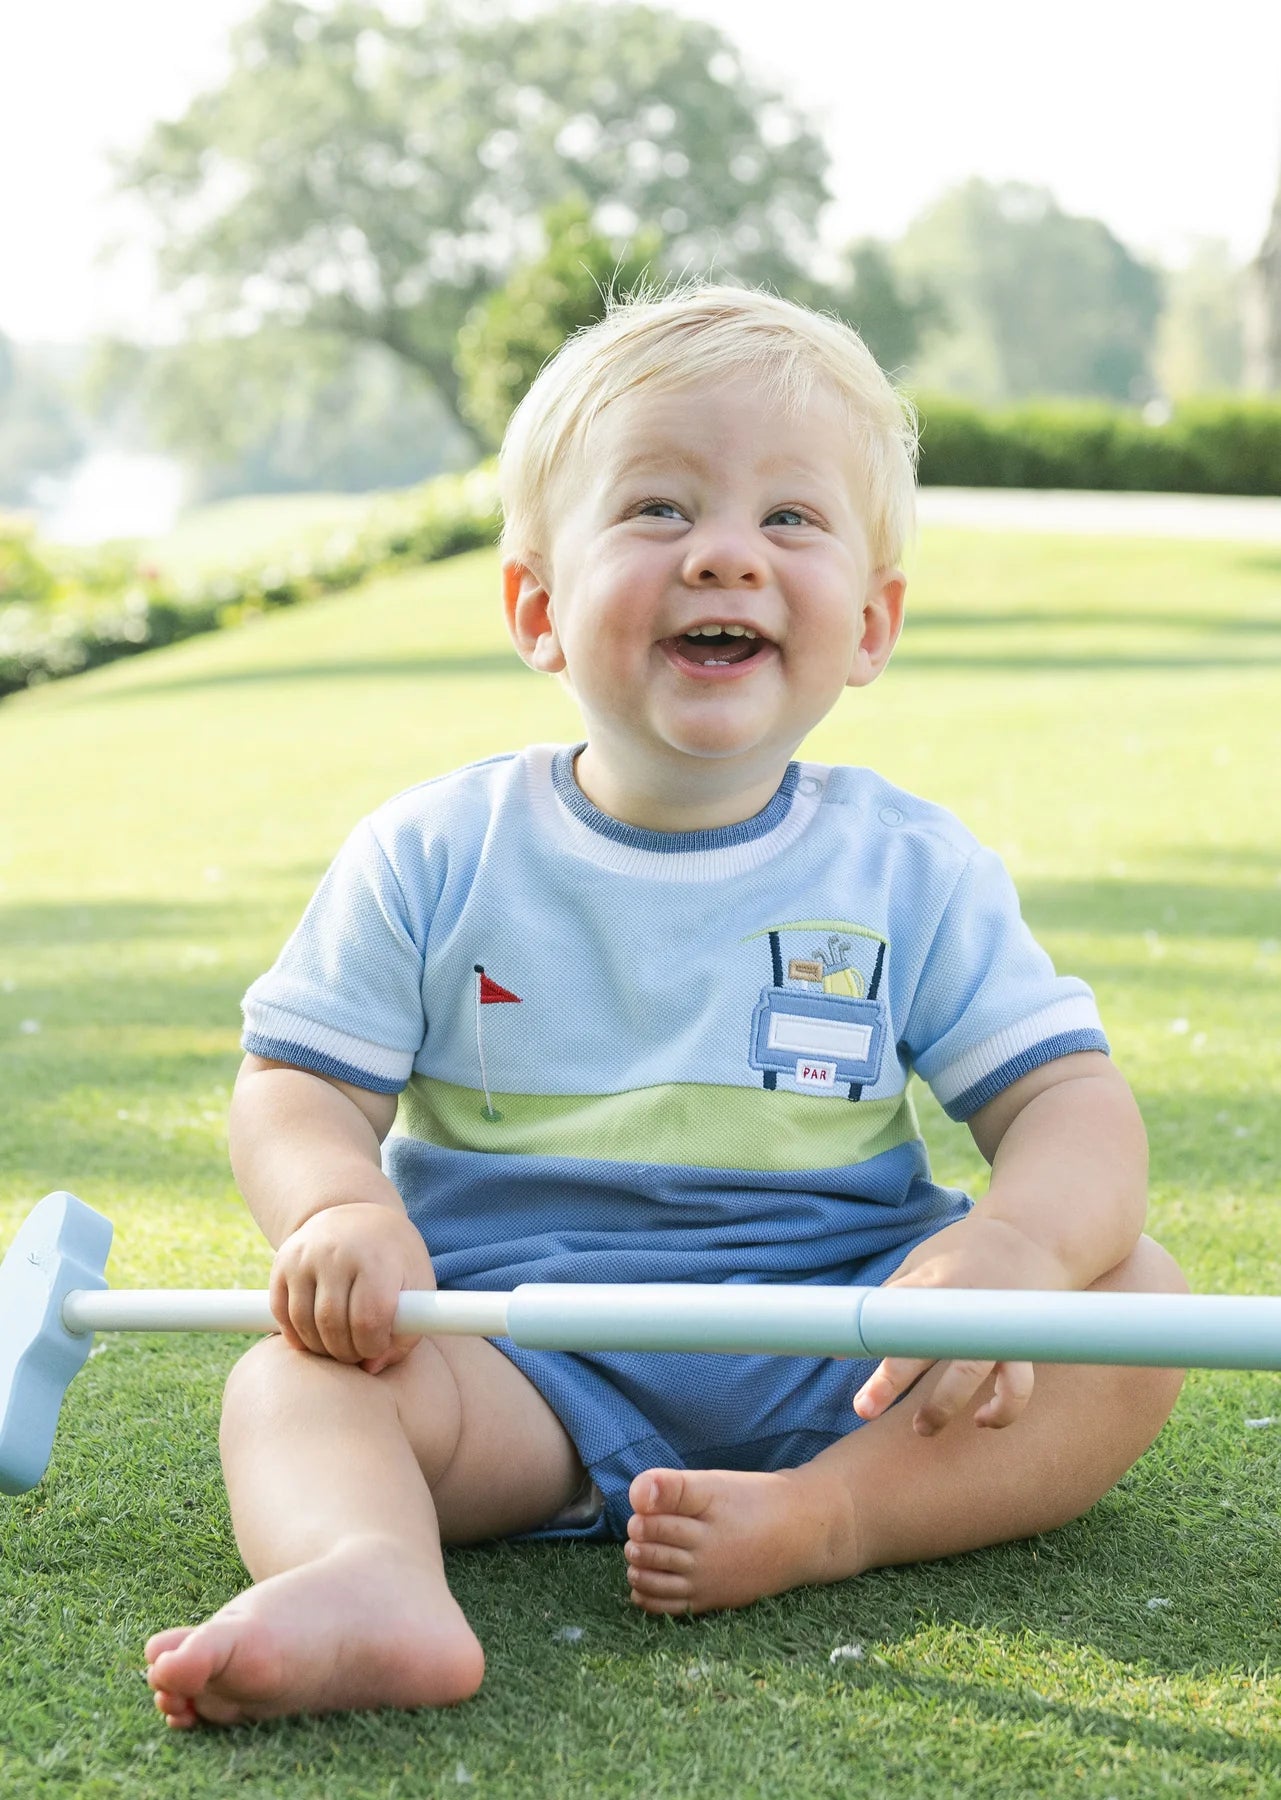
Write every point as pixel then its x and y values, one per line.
pixel 680 1123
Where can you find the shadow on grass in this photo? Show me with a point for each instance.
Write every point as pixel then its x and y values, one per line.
pixel 1012 1707
pixel 1051 662
pixel 74 923
pixel 1117 904
pixel 400 668
pixel 1207 625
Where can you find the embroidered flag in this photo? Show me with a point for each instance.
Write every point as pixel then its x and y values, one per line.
pixel 491 993
pixel 488 993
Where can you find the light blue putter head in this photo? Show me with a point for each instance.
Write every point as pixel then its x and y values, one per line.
pixel 62 1244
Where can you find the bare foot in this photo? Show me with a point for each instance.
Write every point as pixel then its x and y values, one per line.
pixel 706 1538
pixel 357 1628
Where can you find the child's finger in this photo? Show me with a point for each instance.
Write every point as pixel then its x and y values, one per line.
pixel 1014 1384
pixel 955 1388
pixel 887 1381
pixel 333 1319
pixel 397 1351
pixel 293 1300
pixel 278 1300
pixel 371 1313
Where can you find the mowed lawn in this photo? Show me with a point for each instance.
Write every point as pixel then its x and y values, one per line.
pixel 1107 714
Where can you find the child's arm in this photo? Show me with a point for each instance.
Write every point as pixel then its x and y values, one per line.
pixel 305 1151
pixel 1066 1203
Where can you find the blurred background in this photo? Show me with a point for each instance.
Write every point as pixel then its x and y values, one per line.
pixel 320 249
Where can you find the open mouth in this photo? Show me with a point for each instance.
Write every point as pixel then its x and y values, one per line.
pixel 717 646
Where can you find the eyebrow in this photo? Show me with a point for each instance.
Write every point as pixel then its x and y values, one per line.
pixel 677 458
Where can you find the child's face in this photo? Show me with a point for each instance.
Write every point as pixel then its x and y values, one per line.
pixel 696 509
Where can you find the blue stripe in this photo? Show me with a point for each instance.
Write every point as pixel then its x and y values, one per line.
pixel 495 1221
pixel 301 1057
pixel 1067 1043
pixel 669 843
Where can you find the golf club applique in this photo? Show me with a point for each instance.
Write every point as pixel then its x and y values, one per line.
pixel 821 1020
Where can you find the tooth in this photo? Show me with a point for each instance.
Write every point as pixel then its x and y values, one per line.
pixel 734 630
pixel 748 632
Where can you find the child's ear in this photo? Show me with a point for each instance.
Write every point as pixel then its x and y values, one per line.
pixel 527 604
pixel 882 622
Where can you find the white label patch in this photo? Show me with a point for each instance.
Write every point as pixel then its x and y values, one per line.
pixel 816 1075
pixel 790 1031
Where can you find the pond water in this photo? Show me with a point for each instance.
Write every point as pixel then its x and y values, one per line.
pixel 110 494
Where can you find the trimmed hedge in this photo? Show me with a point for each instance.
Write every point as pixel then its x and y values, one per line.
pixel 56 622
pixel 1229 446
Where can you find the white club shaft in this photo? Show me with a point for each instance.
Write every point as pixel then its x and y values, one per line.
pixel 1162 1330
pixel 236 1309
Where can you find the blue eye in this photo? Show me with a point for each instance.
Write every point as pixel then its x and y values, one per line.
pixel 652 507
pixel 790 513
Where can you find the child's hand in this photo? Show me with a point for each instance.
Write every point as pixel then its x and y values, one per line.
pixel 336 1282
pixel 974 1253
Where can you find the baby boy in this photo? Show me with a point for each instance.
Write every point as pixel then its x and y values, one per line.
pixel 646 1009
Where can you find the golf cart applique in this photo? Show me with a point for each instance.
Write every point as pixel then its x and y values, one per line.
pixel 821 1021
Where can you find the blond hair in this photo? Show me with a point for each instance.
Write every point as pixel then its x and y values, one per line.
pixel 699 332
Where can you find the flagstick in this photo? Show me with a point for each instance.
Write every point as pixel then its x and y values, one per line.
pixel 480 1048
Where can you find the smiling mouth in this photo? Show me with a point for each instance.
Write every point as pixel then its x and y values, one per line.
pixel 717 648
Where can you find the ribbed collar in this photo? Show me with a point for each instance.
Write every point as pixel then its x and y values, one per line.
pixel 720 853
pixel 669 843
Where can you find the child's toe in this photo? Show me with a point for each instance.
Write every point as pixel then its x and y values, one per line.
pixel 161 1641
pixel 177 1708
pixel 658 1584
pixel 670 1491
pixel 667 1557
pixel 666 1528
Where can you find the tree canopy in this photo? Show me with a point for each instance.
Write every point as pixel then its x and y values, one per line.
pixel 1039 301
pixel 513 331
pixel 369 177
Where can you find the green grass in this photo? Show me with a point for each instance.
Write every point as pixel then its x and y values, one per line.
pixel 1104 713
pixel 249 531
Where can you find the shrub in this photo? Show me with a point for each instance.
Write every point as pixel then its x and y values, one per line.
pixel 25 578
pixel 1228 446
pixel 55 626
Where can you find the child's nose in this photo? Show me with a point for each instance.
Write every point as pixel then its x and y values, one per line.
pixel 724 558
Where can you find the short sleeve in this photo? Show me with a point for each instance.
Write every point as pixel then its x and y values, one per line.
pixel 345 995
pixel 988 1007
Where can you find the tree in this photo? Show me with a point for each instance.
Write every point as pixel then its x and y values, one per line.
pixel 364 177
pixel 1264 348
pixel 892 313
pixel 512 333
pixel 40 433
pixel 1200 346
pixel 358 420
pixel 1040 301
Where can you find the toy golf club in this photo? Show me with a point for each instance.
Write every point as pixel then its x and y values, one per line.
pixel 54 1296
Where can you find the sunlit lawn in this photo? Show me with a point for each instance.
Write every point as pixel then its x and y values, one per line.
pixel 248 532
pixel 1106 715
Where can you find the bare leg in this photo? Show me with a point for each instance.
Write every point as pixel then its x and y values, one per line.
pixel 702 1539
pixel 330 1473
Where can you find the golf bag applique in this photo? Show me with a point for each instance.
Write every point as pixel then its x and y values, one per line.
pixel 821 1020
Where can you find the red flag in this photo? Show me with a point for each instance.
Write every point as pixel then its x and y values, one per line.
pixel 491 993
